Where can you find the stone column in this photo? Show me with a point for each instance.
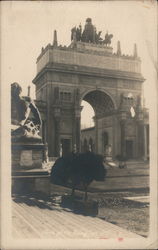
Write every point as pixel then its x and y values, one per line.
pixel 57 119
pixel 115 138
pixel 140 140
pixel 78 134
pixel 140 135
pixel 123 146
pixel 77 118
pixel 145 143
pixel 57 136
pixel 123 117
pixel 77 128
pixel 96 134
pixel 74 133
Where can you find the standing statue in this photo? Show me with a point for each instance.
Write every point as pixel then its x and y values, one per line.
pixel 25 117
pixel 73 30
pixel 78 33
pixel 88 34
pixel 107 40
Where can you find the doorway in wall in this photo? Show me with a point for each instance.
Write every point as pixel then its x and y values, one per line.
pixel 129 149
pixel 66 146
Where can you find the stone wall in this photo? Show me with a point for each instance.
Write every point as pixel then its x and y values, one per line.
pixel 72 57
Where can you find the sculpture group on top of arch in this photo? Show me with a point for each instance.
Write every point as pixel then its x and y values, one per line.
pixel 90 34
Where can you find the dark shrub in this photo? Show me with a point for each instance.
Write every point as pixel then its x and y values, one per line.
pixel 78 168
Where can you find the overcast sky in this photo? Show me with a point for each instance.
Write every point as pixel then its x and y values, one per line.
pixel 28 26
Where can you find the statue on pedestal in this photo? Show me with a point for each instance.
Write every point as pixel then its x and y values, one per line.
pixel 28 153
pixel 25 117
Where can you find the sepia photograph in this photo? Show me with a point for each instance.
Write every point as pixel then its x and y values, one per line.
pixel 79 125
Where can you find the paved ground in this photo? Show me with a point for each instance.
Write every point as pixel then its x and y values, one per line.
pixel 38 218
pixel 35 217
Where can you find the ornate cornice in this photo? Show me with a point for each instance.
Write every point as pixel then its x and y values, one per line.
pixel 89 71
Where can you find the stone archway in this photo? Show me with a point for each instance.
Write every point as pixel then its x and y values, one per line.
pixel 90 72
pixel 100 101
pixel 104 109
pixel 98 90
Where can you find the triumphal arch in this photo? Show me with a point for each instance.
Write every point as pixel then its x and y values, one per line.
pixel 89 70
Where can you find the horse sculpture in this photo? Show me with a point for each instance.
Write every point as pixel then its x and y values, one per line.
pixel 107 40
pixel 90 34
pixel 98 39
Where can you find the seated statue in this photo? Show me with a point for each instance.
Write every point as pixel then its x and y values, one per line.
pixel 25 117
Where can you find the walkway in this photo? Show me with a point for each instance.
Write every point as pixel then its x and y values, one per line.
pixel 38 218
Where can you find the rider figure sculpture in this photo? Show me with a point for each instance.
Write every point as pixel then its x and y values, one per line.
pixel 25 117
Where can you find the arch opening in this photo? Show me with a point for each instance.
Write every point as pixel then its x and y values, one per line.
pixel 97 106
pixel 87 115
pixel 100 102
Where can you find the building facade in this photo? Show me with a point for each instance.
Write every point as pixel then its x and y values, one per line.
pixel 110 82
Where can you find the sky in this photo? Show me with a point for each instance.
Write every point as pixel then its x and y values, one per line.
pixel 26 26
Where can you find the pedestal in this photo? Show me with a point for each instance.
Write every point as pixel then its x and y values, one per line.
pixel 27 173
pixel 27 155
pixel 30 181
